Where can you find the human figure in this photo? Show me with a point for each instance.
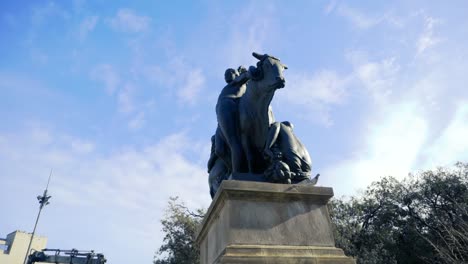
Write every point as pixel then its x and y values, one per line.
pixel 281 138
pixel 227 113
pixel 217 169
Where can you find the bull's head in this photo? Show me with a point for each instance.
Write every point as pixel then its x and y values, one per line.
pixel 269 71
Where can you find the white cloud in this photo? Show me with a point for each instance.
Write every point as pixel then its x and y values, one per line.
pixel 358 18
pixel 398 141
pixel 125 99
pixel 82 146
pixel 391 145
pixel 452 144
pixel 427 39
pixel 40 14
pixel 363 20
pixel 329 7
pixel 315 93
pixel 419 118
pixel 378 77
pixel 252 30
pixel 177 78
pixel 127 20
pixel 156 74
pixel 39 135
pixel 137 122
pixel 190 90
pixel 86 26
pixel 106 74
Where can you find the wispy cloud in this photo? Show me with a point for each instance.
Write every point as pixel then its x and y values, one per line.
pixel 128 95
pixel 427 39
pixel 107 75
pixel 391 146
pixel 399 140
pixel 329 7
pixel 452 144
pixel 315 93
pixel 137 122
pixel 418 119
pixel 125 99
pixel 127 20
pixel 81 146
pixel 252 31
pixel 41 14
pixel 178 78
pixel 86 26
pixel 359 19
pixel 377 77
pixel 190 90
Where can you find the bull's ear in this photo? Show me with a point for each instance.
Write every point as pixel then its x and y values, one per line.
pixel 257 55
pixel 285 66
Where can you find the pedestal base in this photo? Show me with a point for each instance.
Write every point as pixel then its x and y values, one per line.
pixel 283 255
pixel 252 222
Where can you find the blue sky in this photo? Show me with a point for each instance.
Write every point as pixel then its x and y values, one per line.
pixel 118 98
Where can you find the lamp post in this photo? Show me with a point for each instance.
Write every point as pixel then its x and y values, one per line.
pixel 43 201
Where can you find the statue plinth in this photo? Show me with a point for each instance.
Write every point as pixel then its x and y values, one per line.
pixel 255 222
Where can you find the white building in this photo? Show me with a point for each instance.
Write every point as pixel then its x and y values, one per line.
pixel 13 247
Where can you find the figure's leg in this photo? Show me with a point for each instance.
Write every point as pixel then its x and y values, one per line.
pixel 237 154
pixel 222 150
pixel 228 123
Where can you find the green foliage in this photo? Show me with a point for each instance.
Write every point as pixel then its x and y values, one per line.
pixel 180 226
pixel 421 219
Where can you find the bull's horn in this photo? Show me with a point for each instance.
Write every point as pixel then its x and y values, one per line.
pixel 257 55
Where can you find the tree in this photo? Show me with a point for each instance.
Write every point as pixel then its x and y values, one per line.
pixel 438 203
pixel 421 219
pixel 180 226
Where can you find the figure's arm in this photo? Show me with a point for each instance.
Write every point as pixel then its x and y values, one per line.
pixel 273 133
pixel 243 77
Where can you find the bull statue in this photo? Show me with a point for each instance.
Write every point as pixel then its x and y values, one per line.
pixel 245 121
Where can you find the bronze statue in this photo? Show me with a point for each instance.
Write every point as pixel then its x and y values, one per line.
pixel 248 142
pixel 283 143
pixel 217 169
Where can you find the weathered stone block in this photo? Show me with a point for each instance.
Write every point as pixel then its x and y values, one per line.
pixel 254 222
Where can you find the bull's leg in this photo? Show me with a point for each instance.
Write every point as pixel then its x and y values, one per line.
pixel 255 160
pixel 246 145
pixel 259 163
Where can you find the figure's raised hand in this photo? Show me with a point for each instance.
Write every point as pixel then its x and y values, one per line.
pixel 241 69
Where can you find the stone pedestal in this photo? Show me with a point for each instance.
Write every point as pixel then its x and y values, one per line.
pixel 254 222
